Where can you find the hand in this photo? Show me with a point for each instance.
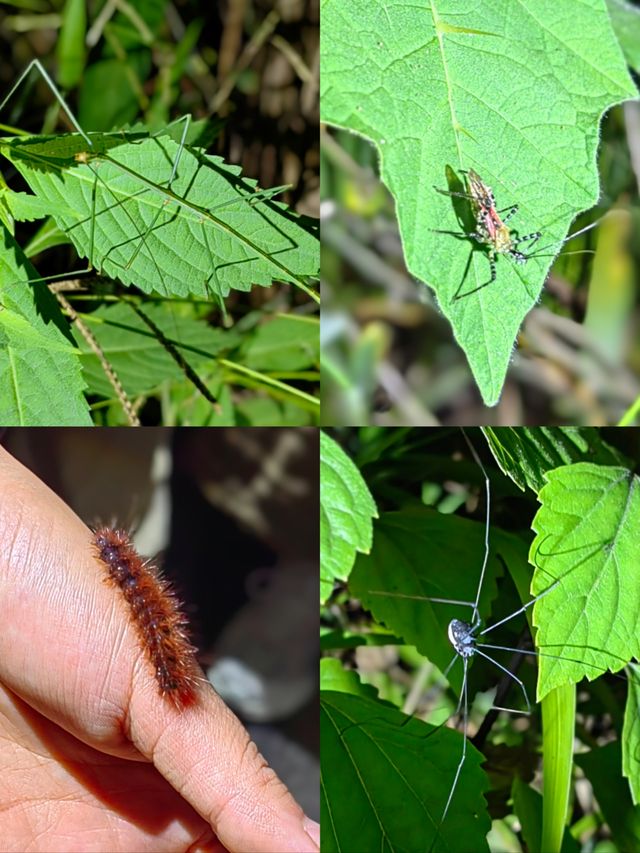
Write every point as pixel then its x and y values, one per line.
pixel 93 757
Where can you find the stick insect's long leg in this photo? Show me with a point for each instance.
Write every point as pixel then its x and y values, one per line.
pixel 35 63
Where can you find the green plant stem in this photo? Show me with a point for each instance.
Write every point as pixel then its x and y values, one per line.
pixel 631 415
pixel 558 719
pixel 261 379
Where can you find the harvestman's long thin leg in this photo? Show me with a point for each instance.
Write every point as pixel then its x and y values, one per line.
pixel 521 609
pixel 509 673
pixel 487 489
pixel 538 654
pixel 464 745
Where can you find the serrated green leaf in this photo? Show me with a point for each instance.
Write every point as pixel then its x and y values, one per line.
pixel 40 378
pixel 346 510
pixel 203 235
pixel 513 90
pixel 386 777
pixel 587 527
pixel 527 453
pixel 26 208
pixel 136 355
pixel 631 734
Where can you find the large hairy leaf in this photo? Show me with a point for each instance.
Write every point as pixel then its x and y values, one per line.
pixel 513 90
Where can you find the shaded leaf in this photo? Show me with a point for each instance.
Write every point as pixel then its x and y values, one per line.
pixel 601 767
pixel 346 510
pixel 133 350
pixel 418 552
pixel 527 453
pixel 284 343
pixel 40 378
pixel 386 778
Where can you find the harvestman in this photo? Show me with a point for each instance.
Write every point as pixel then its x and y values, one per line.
pixel 464 637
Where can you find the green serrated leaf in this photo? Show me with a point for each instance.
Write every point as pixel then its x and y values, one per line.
pixel 527 453
pixel 631 734
pixel 346 510
pixel 385 781
pixel 513 90
pixel 26 208
pixel 206 234
pixel 40 378
pixel 587 530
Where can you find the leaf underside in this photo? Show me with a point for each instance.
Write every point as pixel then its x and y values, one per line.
pixel 512 90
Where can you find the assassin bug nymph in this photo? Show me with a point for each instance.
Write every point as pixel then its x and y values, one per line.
pixel 491 229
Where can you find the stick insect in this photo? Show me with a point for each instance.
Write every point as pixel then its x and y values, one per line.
pixel 413 586
pixel 151 182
